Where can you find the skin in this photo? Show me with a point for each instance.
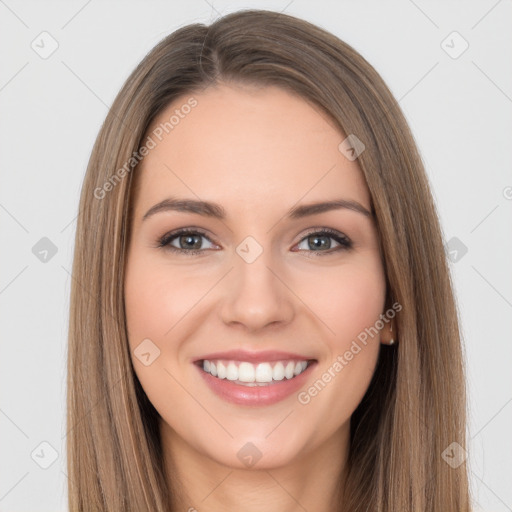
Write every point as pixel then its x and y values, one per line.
pixel 257 152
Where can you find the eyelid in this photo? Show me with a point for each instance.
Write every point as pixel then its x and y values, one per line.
pixel 324 229
pixel 344 242
pixel 164 241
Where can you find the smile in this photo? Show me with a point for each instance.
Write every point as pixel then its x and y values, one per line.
pixel 256 384
pixel 249 374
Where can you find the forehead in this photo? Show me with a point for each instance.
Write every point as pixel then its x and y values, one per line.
pixel 246 146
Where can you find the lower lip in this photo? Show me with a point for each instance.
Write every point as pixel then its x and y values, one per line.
pixel 255 395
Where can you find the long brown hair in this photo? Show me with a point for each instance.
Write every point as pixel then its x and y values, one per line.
pixel 415 407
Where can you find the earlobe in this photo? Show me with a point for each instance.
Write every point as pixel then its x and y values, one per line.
pixel 388 337
pixel 392 340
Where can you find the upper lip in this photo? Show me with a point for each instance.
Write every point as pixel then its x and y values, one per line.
pixel 253 357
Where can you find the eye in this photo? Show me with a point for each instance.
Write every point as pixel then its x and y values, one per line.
pixel 189 241
pixel 320 242
pixel 184 241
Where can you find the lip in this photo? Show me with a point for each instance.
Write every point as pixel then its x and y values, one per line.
pixel 256 396
pixel 253 357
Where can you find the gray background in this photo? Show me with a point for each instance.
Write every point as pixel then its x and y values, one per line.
pixel 459 108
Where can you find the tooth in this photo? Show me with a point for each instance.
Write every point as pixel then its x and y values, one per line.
pixel 264 372
pixel 246 372
pixel 252 374
pixel 232 371
pixel 288 371
pixel 278 372
pixel 221 370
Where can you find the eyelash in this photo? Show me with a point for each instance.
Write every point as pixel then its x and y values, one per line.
pixel 164 241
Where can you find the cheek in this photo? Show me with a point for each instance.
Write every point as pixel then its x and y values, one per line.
pixel 351 309
pixel 157 298
pixel 348 299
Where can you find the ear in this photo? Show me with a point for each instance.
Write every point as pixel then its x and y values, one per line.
pixel 388 334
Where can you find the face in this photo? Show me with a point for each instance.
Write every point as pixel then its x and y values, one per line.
pixel 257 286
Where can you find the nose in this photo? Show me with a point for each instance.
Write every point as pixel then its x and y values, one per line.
pixel 257 294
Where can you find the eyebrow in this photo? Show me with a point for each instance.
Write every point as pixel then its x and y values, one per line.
pixel 210 209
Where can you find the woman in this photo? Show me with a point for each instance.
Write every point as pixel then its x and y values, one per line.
pixel 215 362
